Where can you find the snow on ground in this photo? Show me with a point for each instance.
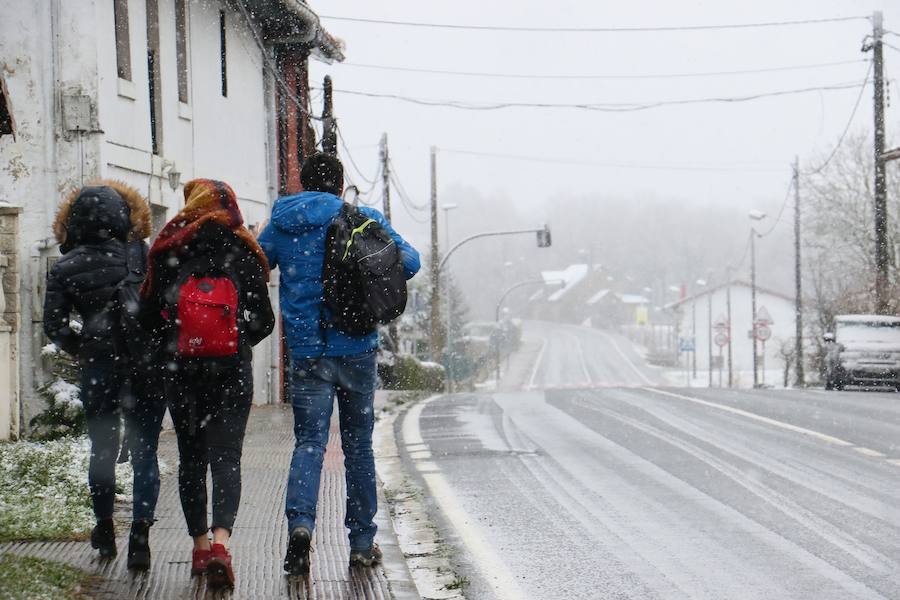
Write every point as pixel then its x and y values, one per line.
pixel 44 489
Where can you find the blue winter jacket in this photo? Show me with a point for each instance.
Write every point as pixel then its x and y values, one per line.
pixel 294 241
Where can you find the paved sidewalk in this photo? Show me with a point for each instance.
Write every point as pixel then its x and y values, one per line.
pixel 259 538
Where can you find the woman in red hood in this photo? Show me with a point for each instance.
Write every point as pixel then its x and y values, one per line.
pixel 206 300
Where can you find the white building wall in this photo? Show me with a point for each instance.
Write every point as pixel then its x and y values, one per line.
pixel 783 330
pixel 50 50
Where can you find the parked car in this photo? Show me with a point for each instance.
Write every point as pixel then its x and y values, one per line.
pixel 863 350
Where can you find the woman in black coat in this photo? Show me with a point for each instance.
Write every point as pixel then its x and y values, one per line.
pixel 97 227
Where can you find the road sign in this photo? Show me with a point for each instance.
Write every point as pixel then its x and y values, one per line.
pixel 721 324
pixel 721 339
pixel 763 317
pixel 686 345
pixel 763 332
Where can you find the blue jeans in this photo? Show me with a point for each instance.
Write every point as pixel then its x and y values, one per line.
pixel 101 387
pixel 314 384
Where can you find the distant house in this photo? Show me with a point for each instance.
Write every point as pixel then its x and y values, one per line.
pixel 609 310
pixel 696 319
pixel 154 93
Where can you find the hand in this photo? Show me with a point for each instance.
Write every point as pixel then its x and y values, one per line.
pixel 260 227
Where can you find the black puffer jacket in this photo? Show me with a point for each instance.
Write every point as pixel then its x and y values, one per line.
pixel 93 228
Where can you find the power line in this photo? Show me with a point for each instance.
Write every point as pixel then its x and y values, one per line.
pixel 404 195
pixel 611 164
pixel 601 76
pixel 784 204
pixel 597 107
pixel 362 176
pixel 638 29
pixel 847 127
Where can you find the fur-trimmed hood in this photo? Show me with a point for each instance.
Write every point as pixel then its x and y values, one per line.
pixel 138 208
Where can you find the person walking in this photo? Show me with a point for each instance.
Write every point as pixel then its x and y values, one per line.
pixel 206 298
pixel 101 230
pixel 325 362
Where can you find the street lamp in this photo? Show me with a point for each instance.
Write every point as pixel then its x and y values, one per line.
pixel 447 207
pixel 755 215
pixel 543 241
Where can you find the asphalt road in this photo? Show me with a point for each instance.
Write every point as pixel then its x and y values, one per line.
pixel 628 489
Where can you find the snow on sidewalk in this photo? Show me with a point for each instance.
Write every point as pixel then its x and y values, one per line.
pixel 260 533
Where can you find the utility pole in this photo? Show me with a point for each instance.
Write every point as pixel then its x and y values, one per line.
pixel 881 243
pixel 329 124
pixel 730 336
pixel 386 176
pixel 709 328
pixel 436 344
pixel 798 283
pixel 753 303
pixel 392 332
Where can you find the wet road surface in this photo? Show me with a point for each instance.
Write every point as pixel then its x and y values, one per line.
pixel 630 490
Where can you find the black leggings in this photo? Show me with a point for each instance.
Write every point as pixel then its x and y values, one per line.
pixel 209 399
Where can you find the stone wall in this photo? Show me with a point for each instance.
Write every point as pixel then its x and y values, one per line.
pixel 10 317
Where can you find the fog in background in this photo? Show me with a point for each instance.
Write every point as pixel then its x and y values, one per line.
pixel 658 197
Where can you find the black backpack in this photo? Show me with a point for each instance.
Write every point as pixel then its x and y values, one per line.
pixel 362 277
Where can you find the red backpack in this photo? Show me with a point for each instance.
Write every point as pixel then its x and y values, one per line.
pixel 206 314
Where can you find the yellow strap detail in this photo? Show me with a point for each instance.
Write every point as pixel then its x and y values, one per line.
pixel 359 229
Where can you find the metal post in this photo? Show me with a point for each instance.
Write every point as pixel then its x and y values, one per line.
pixel 694 337
pixel 753 302
pixel 709 332
pixel 730 336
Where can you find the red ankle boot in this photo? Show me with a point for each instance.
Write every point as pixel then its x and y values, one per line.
pixel 219 573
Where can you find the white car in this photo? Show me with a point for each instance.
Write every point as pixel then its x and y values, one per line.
pixel 863 350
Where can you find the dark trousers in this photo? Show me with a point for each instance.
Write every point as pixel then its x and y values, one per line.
pixel 101 389
pixel 210 399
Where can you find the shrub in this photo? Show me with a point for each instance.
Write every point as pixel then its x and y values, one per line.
pixel 64 415
pixel 409 373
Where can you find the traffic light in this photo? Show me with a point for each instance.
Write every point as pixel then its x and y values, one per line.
pixel 543 237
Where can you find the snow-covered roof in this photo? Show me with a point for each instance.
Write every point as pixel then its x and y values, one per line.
pixel 633 299
pixel 569 277
pixel 598 296
pixel 736 282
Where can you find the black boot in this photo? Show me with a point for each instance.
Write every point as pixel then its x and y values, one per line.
pixel 103 538
pixel 139 546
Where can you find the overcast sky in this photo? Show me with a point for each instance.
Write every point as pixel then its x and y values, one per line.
pixel 723 153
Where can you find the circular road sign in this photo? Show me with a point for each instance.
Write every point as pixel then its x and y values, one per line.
pixel 721 339
pixel 763 332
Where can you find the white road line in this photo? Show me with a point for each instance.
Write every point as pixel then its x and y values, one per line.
pixel 737 411
pixel 537 362
pixel 628 360
pixel 894 461
pixel 494 572
pixel 869 452
pixel 588 380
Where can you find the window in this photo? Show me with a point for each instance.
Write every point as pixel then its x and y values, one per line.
pixel 153 76
pixel 222 53
pixel 7 125
pixel 181 49
pixel 123 39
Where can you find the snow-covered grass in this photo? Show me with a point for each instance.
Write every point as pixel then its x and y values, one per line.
pixel 44 490
pixel 27 578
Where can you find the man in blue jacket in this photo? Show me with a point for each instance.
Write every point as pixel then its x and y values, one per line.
pixel 324 362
